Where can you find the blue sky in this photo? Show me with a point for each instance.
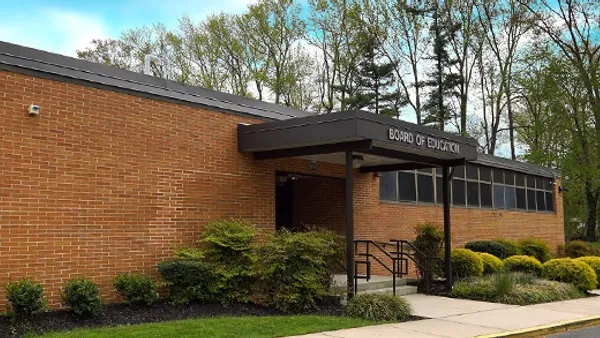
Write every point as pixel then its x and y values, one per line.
pixel 63 26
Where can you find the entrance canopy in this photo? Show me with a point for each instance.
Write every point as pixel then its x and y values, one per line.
pixel 378 143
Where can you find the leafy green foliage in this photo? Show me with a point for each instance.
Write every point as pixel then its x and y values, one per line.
pixel 466 263
pixel 594 263
pixel 188 280
pixel 536 248
pixel 430 241
pixel 522 263
pixel 228 247
pixel 136 289
pixel 194 254
pixel 572 271
pixel 491 247
pixel 512 248
pixel 515 289
pixel 575 249
pixel 491 263
pixel 295 269
pixel 82 296
pixel 25 297
pixel 378 307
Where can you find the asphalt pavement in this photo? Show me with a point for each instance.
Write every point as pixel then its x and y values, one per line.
pixel 590 332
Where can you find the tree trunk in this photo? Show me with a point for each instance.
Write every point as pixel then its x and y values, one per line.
pixel 591 217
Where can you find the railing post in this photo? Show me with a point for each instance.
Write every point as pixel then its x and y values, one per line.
pixel 368 267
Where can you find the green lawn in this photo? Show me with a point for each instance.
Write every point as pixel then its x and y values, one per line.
pixel 248 327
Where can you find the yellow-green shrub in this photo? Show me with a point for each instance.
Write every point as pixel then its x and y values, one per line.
pixel 491 263
pixel 522 263
pixel 570 270
pixel 594 263
pixel 466 263
pixel 536 248
pixel 512 247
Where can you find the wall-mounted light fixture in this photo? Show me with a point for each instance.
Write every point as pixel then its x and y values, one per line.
pixel 34 109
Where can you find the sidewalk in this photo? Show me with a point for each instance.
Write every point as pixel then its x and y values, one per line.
pixel 459 318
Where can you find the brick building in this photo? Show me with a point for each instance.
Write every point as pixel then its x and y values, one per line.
pixel 119 168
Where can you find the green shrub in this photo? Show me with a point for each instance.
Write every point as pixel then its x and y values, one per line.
pixel 295 269
pixel 512 247
pixel 491 247
pixel 466 263
pixel 228 247
pixel 491 263
pixel 25 297
pixel 429 241
pixel 536 248
pixel 81 296
pixel 193 254
pixel 188 280
pixel 522 263
pixel 378 307
pixel 576 249
pixel 136 289
pixel 594 263
pixel 572 271
pixel 515 289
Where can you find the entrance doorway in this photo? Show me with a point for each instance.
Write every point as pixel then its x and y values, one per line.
pixel 284 201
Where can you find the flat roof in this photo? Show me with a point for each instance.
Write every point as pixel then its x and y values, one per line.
pixel 43 64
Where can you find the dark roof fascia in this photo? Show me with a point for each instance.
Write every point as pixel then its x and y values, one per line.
pixel 14 57
pixel 523 167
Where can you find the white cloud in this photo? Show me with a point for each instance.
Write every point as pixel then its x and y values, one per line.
pixel 54 30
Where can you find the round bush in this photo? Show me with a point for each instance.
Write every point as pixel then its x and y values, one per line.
pixel 491 247
pixel 594 263
pixel 25 297
pixel 466 263
pixel 575 249
pixel 136 289
pixel 82 296
pixel 491 263
pixel 512 247
pixel 572 271
pixel 536 248
pixel 522 263
pixel 378 307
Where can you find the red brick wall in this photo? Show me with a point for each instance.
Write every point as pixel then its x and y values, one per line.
pixel 320 201
pixel 102 183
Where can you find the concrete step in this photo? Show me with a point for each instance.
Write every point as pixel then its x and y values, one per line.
pixel 400 290
pixel 375 283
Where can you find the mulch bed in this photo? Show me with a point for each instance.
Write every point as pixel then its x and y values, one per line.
pixel 122 314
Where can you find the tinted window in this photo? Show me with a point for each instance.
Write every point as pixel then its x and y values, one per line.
pixel 541 183
pixel 425 186
pixel 509 197
pixel 485 174
pixel 438 190
pixel 509 177
pixel 472 194
pixel 530 181
pixel 531 199
pixel 520 180
pixel 406 187
pixel 458 192
pixel 472 172
pixel 521 203
pixel 498 176
pixel 541 197
pixel 459 171
pixel 499 196
pixel 486 194
pixel 388 186
pixel 549 201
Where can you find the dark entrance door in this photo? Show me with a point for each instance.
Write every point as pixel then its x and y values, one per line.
pixel 284 202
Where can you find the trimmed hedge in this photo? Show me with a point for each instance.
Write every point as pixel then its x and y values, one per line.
pixel 466 263
pixel 522 263
pixel 81 296
pixel 491 247
pixel 512 247
pixel 136 289
pixel 491 263
pixel 594 263
pixel 25 297
pixel 187 280
pixel 572 271
pixel 576 249
pixel 536 248
pixel 378 307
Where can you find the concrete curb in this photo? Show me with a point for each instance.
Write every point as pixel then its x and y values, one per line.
pixel 539 331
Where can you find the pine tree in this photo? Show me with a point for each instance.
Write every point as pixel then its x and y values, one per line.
pixel 373 82
pixel 443 82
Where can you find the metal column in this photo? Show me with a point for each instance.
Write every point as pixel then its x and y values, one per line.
pixel 447 234
pixel 349 225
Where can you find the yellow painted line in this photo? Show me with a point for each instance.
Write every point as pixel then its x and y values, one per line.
pixel 539 331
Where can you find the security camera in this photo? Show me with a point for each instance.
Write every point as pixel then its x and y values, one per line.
pixel 34 109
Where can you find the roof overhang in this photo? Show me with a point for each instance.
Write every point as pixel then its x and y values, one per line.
pixel 386 143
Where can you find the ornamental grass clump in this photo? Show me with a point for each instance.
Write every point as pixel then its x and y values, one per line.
pixel 378 307
pixel 569 270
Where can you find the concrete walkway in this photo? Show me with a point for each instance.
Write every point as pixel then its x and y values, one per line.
pixel 458 318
